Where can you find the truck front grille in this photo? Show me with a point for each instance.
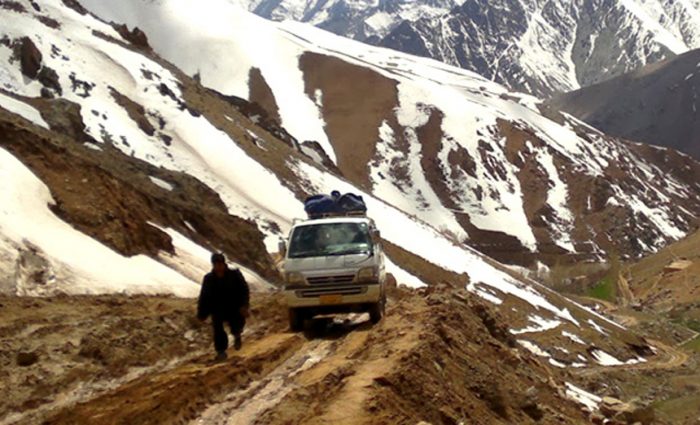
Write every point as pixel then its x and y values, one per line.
pixel 331 280
pixel 317 292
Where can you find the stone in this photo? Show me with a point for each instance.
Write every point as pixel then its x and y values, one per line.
pixel 48 77
pixel 25 359
pixel 30 58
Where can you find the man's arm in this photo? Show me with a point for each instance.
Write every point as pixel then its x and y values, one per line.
pixel 244 292
pixel 204 303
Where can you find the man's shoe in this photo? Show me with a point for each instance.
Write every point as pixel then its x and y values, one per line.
pixel 237 343
pixel 221 356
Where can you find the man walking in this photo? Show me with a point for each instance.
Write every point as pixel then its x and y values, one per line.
pixel 226 298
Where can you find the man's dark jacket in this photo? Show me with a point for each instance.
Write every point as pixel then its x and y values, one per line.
pixel 223 297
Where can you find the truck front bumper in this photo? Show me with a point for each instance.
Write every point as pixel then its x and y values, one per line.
pixel 336 295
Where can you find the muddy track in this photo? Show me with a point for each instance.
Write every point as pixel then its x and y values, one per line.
pixel 667 357
pixel 437 356
pixel 265 381
pixel 178 395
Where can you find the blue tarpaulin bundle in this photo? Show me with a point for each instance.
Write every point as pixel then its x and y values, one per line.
pixel 334 204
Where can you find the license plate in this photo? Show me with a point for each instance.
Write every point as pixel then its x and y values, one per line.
pixel 331 299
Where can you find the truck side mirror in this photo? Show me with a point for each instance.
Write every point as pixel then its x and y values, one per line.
pixel 282 247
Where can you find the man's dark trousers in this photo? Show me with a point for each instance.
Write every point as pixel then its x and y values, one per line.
pixel 235 323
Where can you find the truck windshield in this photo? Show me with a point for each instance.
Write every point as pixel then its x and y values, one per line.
pixel 319 240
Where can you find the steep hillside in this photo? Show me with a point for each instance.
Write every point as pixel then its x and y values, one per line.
pixel 478 162
pixel 535 46
pixel 670 279
pixel 657 104
pixel 663 303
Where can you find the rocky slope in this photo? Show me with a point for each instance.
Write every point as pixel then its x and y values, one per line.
pixel 658 297
pixel 480 163
pixel 657 104
pixel 669 279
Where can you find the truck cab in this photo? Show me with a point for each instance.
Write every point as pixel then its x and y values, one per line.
pixel 333 265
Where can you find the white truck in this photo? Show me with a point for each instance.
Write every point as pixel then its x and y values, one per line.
pixel 333 265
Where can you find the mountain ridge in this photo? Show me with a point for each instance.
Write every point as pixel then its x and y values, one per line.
pixel 528 45
pixel 655 104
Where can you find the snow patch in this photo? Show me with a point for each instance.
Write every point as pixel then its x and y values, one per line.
pixel 402 276
pixel 540 324
pixel 22 109
pixel 589 400
pixel 605 359
pixel 533 348
pixel 162 184
pixel 575 338
pixel 81 265
pixel 597 327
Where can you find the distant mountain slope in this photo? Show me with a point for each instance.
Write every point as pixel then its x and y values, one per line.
pixel 670 279
pixel 364 20
pixel 544 47
pixel 657 104
pixel 444 145
pixel 535 46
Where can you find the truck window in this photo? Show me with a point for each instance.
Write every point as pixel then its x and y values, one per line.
pixel 330 239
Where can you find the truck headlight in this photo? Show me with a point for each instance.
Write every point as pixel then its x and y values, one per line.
pixel 294 278
pixel 368 274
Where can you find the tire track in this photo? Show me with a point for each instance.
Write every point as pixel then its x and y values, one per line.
pixel 179 395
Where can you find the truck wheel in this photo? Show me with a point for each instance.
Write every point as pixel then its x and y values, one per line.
pixel 376 311
pixel 296 320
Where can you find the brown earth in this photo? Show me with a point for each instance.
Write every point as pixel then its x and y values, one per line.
pixel 439 355
pixel 668 384
pixel 261 93
pixel 85 345
pixel 662 289
pixel 356 100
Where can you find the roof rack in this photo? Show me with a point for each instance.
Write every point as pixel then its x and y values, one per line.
pixel 339 214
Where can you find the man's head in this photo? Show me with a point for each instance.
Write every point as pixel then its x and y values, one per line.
pixel 218 262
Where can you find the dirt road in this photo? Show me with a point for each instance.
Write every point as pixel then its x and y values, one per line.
pixel 667 357
pixel 434 357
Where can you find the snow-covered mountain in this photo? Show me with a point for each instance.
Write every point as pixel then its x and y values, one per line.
pixel 438 150
pixel 543 47
pixel 364 20
pixel 657 104
pixel 448 147
pixel 536 46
